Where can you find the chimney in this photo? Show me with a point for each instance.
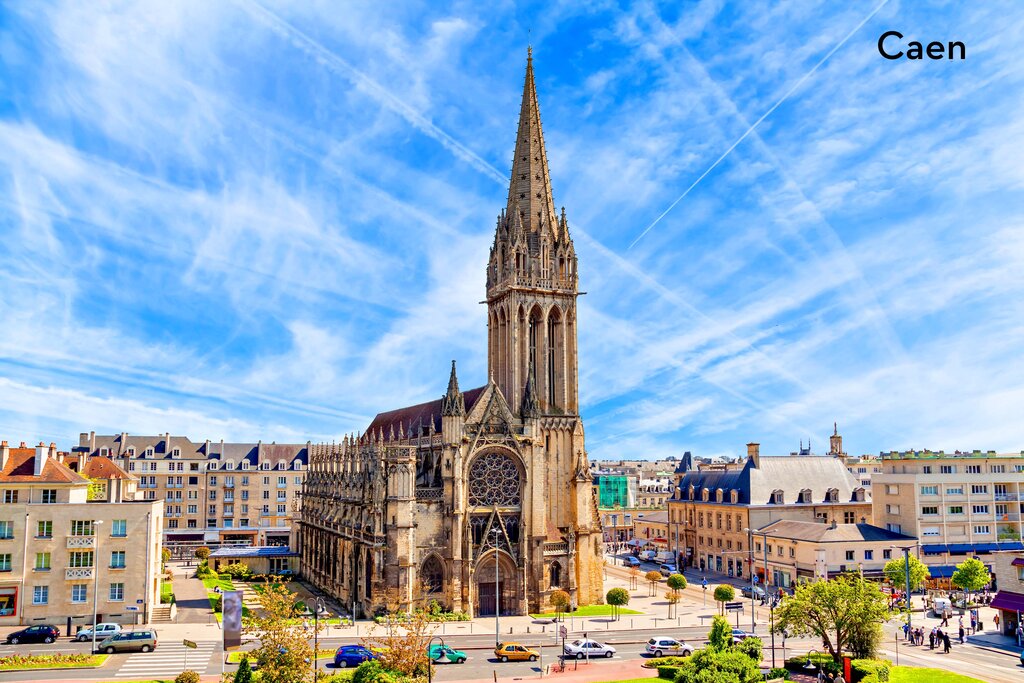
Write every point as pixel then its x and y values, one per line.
pixel 42 453
pixel 754 453
pixel 832 524
pixel 5 454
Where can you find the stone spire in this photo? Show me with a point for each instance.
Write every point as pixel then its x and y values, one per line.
pixel 531 406
pixel 453 404
pixel 529 192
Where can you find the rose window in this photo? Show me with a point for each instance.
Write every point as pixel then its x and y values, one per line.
pixel 494 480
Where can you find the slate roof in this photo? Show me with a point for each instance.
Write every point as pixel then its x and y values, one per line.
pixel 163 445
pixel 825 533
pixel 790 474
pixel 254 551
pixel 412 416
pixel 20 468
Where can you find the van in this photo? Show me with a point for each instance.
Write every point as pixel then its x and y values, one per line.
pixel 648 555
pixel 941 606
pixel 129 641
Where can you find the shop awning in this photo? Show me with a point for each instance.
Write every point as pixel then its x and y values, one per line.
pixel 636 542
pixel 1011 602
pixel 942 571
pixel 934 549
pixel 1018 562
pixel 171 536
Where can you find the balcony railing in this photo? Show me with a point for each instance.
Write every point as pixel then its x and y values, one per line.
pixel 72 573
pixel 1007 496
pixel 81 542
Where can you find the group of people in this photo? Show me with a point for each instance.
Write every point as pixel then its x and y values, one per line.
pixel 937 638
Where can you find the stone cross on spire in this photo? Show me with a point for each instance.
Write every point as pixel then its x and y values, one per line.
pixel 529 192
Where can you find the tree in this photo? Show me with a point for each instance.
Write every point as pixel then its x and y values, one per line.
pixel 653 578
pixel 724 593
pixel 617 597
pixel 560 600
pixel 896 571
pixel 165 557
pixel 284 651
pixel 709 665
pixel 971 575
pixel 720 635
pixel 634 575
pixel 403 641
pixel 202 553
pixel 244 673
pixel 837 611
pixel 676 583
pixel 752 647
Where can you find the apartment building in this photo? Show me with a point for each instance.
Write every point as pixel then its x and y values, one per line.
pixel 958 504
pixel 624 497
pixel 214 493
pixel 711 509
pixel 64 536
pixel 1008 576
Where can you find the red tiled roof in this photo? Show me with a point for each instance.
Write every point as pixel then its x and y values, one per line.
pixel 412 415
pixel 20 468
pixel 100 467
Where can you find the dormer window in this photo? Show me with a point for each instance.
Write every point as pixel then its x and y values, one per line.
pixel 176 453
pixel 805 496
pixel 229 465
pixel 859 495
pixel 705 494
pixel 734 496
pixel 777 497
pixel 690 491
pixel 245 464
pixel 297 465
pixel 148 453
pixel 212 465
pixel 264 465
pixel 131 451
pixel 719 495
pixel 281 465
pixel 832 496
pixel 104 452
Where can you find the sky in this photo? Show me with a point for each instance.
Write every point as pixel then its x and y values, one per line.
pixel 258 220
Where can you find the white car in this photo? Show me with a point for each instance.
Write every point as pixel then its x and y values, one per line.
pixel 103 630
pixel 582 649
pixel 661 647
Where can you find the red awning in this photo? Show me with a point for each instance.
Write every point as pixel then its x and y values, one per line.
pixel 1018 562
pixel 659 539
pixel 1010 602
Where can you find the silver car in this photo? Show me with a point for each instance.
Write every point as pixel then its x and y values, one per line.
pixel 585 648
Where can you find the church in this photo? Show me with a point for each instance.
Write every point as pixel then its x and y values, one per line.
pixel 482 499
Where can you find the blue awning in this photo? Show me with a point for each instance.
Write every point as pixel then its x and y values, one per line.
pixel 934 549
pixel 942 571
pixel 959 548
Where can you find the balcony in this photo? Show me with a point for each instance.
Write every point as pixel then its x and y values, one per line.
pixel 1007 496
pixel 74 573
pixel 81 542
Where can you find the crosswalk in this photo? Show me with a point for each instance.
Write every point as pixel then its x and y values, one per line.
pixel 168 660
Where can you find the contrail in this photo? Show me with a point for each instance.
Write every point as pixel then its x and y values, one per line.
pixel 756 123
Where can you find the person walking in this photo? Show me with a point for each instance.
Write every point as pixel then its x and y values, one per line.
pixel 945 643
pixel 906 631
pixel 931 640
pixel 995 619
pixel 974 621
pixel 1020 634
pixel 962 634
pixel 840 678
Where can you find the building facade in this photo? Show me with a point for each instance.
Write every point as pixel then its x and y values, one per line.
pixel 958 504
pixel 1008 575
pixel 214 493
pixel 64 536
pixel 712 509
pixel 446 499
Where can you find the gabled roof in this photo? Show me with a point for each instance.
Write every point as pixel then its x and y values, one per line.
pixel 789 474
pixel 20 469
pixel 826 533
pixel 412 416
pixel 99 467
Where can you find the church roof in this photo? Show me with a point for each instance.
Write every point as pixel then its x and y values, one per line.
pixel 404 418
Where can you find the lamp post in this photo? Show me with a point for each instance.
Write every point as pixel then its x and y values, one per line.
pixel 497 599
pixel 429 661
pixel 906 561
pixel 95 577
pixel 809 664
pixel 318 604
pixel 753 575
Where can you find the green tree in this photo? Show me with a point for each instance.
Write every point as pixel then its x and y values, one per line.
pixel 896 571
pixel 244 673
pixel 165 557
pixel 560 601
pixel 719 666
pixel 653 578
pixel 724 593
pixel 835 611
pixel 752 647
pixel 720 635
pixel 284 652
pixel 617 597
pixel 676 583
pixel 202 553
pixel 971 575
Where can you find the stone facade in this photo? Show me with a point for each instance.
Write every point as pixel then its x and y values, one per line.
pixel 432 501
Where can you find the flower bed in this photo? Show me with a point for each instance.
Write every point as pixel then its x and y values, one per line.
pixel 56 661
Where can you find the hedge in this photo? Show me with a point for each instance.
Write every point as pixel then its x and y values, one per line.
pixel 863 668
pixel 668 672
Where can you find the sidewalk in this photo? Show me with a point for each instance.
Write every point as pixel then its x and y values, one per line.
pixel 995 641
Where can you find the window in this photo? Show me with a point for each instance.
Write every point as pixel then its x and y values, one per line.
pixel 81 527
pixel 886 554
pixel 212 510
pixel 245 495
pixel 849 517
pixel 229 523
pixel 282 481
pixel 266 495
pixel 191 523
pixel 956 509
pixel 10 496
pixel 849 555
pixel 243 522
pixel 116 592
pixel 869 554
pixel 193 467
pixel 927 469
pixel 193 509
pixel 929 490
pixel 979 488
pixel 172 524
pixel 892 509
pixel 40 595
pixel 973 469
pixel 792 552
pixel 892 489
pixel 947 469
pixel 213 495
pixel 211 523
pixel 979 509
pixel 42 562
pixel 298 481
pixel 997 469
pixel 281 509
pixel 954 490
pixel 6 529
pixel 981 529
pixel 79 592
pixel 930 510
pixel 80 558
pixel 266 481
pixel 229 465
pixel 5 562
pixel 119 528
pixel 281 465
pixel 117 559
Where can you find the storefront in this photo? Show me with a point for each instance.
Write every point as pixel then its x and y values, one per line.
pixel 1010 606
pixel 8 602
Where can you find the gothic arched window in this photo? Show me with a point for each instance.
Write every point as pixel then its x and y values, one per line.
pixel 432 575
pixel 556 574
pixel 494 480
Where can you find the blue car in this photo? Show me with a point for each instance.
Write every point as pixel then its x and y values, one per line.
pixel 352 655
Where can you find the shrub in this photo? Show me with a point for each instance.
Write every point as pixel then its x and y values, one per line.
pixel 668 672
pixel 827 664
pixel 655 662
pixel 202 553
pixel 863 668
pixel 237 570
pixel 244 673
pixel 217 602
pixel 367 672
pixel 187 676
pixel 751 647
pixel 778 672
pixel 203 571
pixel 338 677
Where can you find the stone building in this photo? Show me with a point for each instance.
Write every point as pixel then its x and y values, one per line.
pixel 433 500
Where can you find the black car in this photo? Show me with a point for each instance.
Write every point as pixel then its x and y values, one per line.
pixel 34 634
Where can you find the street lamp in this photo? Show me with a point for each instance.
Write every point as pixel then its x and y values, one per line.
pixel 811 664
pixel 497 604
pixel 906 561
pixel 429 661
pixel 95 577
pixel 318 605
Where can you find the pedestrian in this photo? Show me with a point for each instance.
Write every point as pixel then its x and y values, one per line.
pixel 974 621
pixel 840 678
pixel 961 634
pixel 945 642
pixel 1020 634
pixel 931 640
pixel 906 631
pixel 945 619
pixel 821 675
pixel 996 620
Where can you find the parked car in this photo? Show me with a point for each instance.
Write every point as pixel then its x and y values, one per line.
pixel 103 631
pixel 515 652
pixel 659 647
pixel 648 555
pixel 440 653
pixel 582 649
pixel 352 655
pixel 758 592
pixel 129 641
pixel 668 569
pixel 43 633
pixel 739 634
pixel 632 562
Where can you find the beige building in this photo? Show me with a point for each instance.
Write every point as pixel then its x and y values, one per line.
pixel 711 509
pixel 650 530
pixel 958 504
pixel 213 492
pixel 1008 576
pixel 444 500
pixel 63 537
pixel 805 551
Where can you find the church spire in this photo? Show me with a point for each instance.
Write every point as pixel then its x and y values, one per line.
pixel 529 192
pixel 453 404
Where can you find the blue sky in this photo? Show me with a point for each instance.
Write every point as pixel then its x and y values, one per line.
pixel 270 220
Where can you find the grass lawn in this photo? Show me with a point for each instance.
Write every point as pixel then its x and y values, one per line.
pixel 166 593
pixel 588 611
pixel 236 657
pixel 42 663
pixel 224 583
pixel 913 674
pixel 637 680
